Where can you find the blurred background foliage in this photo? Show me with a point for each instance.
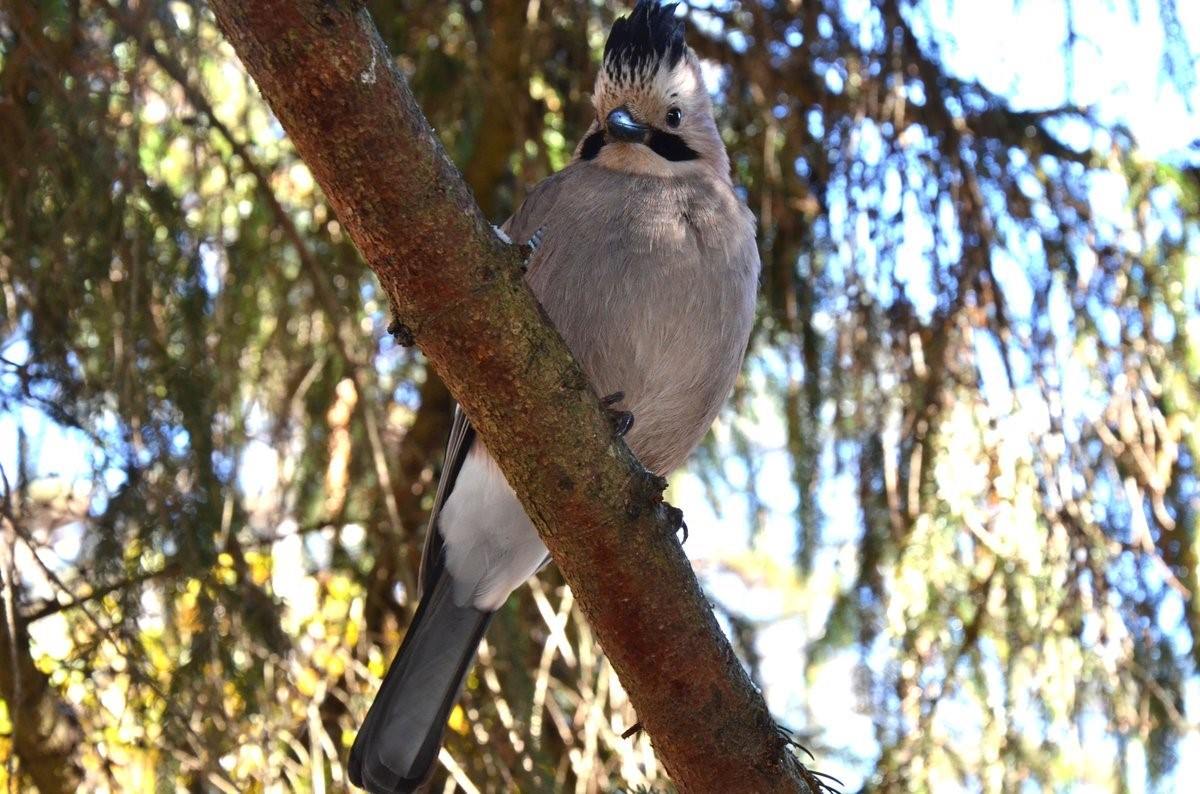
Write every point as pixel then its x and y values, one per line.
pixel 949 519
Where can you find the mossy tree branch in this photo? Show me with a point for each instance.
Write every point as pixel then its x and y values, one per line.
pixel 328 77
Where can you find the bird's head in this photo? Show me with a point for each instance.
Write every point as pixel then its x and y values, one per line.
pixel 653 113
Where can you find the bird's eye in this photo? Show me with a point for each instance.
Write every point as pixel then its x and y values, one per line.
pixel 674 116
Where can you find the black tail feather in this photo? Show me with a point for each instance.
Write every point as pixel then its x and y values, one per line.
pixel 398 742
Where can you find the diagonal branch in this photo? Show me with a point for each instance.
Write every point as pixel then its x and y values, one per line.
pixel 329 79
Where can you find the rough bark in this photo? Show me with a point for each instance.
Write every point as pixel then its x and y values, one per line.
pixel 326 74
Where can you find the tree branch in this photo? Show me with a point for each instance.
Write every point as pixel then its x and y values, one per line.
pixel 329 79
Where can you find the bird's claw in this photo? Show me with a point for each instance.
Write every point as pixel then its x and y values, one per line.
pixel 621 421
pixel 401 333
pixel 675 519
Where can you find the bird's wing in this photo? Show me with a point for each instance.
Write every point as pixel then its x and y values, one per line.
pixel 535 211
pixel 462 436
pixel 526 221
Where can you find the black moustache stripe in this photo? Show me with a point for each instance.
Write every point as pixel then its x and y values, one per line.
pixel 592 145
pixel 671 147
pixel 664 144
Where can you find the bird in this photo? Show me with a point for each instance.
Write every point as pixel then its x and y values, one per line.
pixel 645 259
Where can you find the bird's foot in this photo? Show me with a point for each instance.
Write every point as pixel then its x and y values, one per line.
pixel 621 421
pixel 818 782
pixel 676 522
pixel 401 333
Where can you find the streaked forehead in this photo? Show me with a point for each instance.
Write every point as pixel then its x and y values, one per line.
pixel 661 85
pixel 681 85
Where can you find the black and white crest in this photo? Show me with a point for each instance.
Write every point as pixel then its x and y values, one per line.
pixel 641 43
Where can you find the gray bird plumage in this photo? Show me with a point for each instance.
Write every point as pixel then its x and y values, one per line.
pixel 649 269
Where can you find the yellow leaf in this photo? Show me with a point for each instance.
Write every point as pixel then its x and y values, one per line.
pixel 306 682
pixel 340 587
pixel 260 566
pixel 458 721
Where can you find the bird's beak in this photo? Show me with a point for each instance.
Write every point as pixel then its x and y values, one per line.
pixel 622 127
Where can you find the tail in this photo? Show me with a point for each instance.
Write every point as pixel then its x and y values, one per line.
pixel 398 742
